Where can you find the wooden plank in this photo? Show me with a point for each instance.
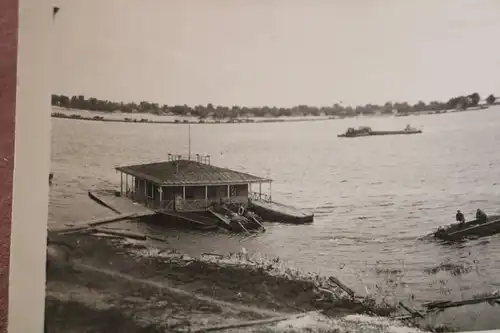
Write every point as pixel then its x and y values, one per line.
pixel 342 286
pixel 241 225
pixel 96 198
pixel 92 223
pixel 411 311
pixel 121 233
pixel 220 217
pixel 331 292
pixel 118 204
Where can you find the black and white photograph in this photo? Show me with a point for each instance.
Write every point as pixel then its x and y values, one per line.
pixel 274 166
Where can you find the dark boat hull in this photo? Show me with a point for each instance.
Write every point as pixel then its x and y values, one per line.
pixel 275 212
pixel 395 132
pixel 472 228
pixel 379 133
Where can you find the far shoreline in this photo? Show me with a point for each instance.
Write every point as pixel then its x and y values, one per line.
pixel 185 121
pixel 99 117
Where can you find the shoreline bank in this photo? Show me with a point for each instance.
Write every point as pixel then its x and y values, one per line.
pixel 192 120
pixel 146 289
pixel 185 121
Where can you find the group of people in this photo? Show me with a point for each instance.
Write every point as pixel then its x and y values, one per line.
pixel 480 216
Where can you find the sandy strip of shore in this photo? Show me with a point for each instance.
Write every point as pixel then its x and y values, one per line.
pixel 101 284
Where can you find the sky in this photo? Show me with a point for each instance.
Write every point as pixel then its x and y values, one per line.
pixel 276 52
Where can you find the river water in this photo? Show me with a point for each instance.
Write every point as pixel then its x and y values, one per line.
pixel 372 197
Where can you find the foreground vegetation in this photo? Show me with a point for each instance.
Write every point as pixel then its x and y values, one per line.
pixel 142 289
pixel 221 112
pixel 100 282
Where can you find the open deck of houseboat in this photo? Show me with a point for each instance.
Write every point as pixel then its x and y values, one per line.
pixel 196 191
pixel 277 212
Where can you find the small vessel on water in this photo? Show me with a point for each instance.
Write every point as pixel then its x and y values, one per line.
pixel 477 228
pixel 367 131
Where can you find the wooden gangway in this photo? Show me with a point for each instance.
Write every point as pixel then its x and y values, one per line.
pixel 120 204
pixel 220 217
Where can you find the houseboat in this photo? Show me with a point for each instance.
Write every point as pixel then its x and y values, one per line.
pixel 201 193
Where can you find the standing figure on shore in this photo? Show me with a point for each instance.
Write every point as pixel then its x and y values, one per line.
pixel 460 217
pixel 481 216
pixel 51 177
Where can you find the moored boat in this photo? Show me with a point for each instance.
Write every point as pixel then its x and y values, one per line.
pixel 236 222
pixel 277 212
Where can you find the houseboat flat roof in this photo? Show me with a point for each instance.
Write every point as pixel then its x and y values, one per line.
pixel 187 172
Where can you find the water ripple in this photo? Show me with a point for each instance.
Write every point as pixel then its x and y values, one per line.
pixel 372 198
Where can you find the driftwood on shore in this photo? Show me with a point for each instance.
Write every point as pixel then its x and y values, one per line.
pixel 342 286
pixel 452 304
pixel 412 312
pixel 126 234
pixel 121 233
pixel 434 307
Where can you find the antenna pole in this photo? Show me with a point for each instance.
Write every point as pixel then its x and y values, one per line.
pixel 189 142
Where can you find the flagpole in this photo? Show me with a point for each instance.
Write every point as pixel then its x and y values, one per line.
pixel 189 142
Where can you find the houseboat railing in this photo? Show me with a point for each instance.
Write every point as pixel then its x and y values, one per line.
pixel 167 205
pixel 259 196
pixel 189 205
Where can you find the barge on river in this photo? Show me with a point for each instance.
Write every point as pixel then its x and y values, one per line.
pixel 367 131
pixel 196 191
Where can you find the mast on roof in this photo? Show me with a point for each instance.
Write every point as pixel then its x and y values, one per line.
pixel 189 142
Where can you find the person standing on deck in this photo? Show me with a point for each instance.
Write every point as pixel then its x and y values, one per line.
pixel 460 217
pixel 481 216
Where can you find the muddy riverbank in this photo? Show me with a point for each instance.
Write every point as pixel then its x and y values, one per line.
pixel 102 284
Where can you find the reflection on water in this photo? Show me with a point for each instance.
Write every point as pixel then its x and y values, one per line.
pixel 373 197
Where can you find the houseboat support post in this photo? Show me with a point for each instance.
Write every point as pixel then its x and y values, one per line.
pixel 126 184
pixel 160 189
pixel 184 193
pixel 206 196
pixel 228 193
pixel 270 190
pixel 260 191
pixel 121 183
pixel 132 186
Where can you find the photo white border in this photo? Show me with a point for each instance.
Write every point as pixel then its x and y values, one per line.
pixel 31 168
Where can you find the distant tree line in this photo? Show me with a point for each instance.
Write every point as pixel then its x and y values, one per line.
pixel 221 112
